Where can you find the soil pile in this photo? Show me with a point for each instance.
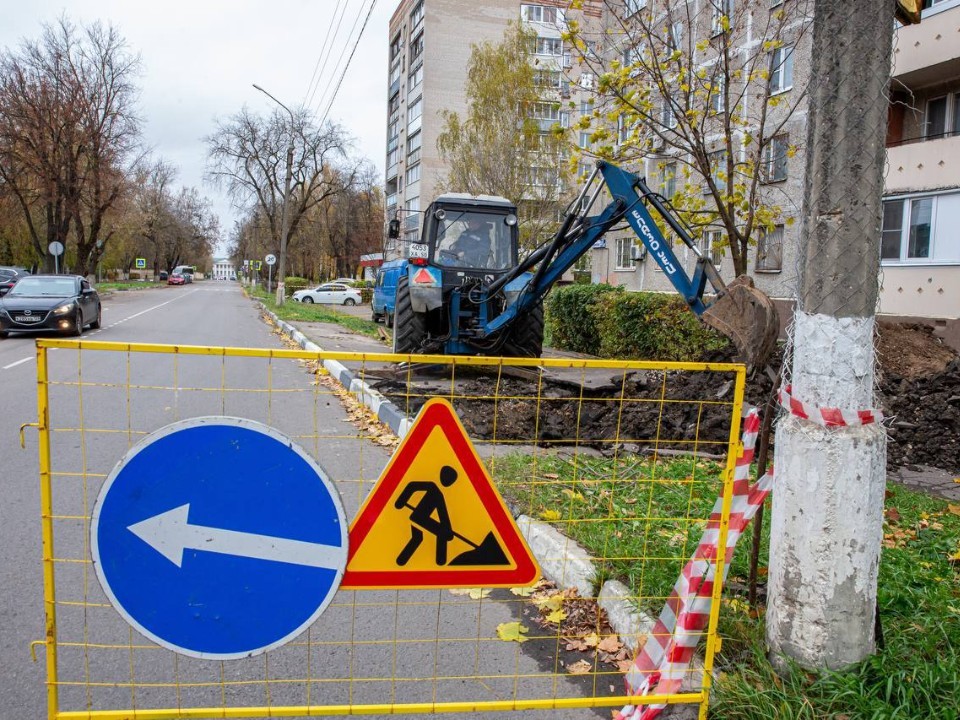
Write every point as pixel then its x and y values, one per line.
pixel 918 392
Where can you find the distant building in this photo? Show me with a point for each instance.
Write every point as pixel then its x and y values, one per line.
pixel 920 246
pixel 429 49
pixel 223 269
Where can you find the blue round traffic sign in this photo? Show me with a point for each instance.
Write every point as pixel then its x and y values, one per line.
pixel 219 538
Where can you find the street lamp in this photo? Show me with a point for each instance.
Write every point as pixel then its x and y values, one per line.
pixel 285 221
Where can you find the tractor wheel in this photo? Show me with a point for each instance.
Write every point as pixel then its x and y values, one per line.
pixel 526 335
pixel 409 327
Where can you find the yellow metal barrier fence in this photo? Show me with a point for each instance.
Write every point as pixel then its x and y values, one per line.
pixel 625 458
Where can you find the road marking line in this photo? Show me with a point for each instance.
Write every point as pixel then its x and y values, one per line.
pixel 18 362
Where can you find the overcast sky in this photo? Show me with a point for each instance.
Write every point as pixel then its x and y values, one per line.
pixel 201 57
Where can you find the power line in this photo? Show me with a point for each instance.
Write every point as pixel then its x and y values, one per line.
pixel 322 101
pixel 320 59
pixel 333 97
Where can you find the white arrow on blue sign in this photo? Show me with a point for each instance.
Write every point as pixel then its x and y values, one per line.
pixel 219 538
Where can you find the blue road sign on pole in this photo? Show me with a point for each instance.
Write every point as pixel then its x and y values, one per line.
pixel 219 538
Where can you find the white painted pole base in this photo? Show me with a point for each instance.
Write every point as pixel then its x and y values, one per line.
pixel 827 511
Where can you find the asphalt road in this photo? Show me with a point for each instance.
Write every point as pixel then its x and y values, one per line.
pixel 388 642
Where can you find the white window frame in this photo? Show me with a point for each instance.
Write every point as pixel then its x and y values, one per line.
pixel 668 180
pixel 712 247
pixel 623 260
pixel 940 248
pixel 777 232
pixel 587 80
pixel 718 164
pixel 781 70
pixel 538 13
pixel 548 46
pixel 721 9
pixel 632 7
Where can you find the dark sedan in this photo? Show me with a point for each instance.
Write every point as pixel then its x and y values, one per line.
pixel 66 303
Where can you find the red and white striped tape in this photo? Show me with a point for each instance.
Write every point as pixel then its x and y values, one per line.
pixel 665 657
pixel 828 417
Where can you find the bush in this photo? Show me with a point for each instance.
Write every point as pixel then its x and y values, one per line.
pixel 292 283
pixel 569 312
pixel 610 323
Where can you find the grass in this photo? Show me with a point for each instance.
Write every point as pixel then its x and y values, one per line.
pixel 123 285
pixel 642 520
pixel 294 311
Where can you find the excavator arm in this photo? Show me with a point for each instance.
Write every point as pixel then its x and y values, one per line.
pixel 739 310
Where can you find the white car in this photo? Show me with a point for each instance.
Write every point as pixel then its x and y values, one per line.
pixel 329 293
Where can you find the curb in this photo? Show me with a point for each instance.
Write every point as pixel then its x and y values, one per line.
pixel 562 560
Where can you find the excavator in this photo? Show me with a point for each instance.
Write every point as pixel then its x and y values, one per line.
pixel 465 290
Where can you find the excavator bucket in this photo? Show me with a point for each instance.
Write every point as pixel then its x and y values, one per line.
pixel 748 317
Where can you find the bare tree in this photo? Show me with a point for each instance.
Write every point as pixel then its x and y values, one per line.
pixel 67 129
pixel 247 157
pixel 701 88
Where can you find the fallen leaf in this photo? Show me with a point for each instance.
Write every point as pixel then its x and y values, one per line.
pixel 954 509
pixel 892 514
pixel 550 515
pixel 624 665
pixel 549 603
pixel 610 644
pixel 512 632
pixel 591 640
pixel 523 592
pixel 474 593
pixel 580 667
pixel 551 476
pixel 577 645
pixel 557 616
pixel 572 494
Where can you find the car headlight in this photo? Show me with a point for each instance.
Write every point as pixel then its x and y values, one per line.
pixel 64 309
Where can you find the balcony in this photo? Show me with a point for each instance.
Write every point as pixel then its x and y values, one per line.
pixel 923 165
pixel 928 52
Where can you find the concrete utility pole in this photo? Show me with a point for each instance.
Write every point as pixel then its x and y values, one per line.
pixel 285 221
pixel 827 515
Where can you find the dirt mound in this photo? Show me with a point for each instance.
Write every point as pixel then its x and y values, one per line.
pixel 918 391
pixel 911 351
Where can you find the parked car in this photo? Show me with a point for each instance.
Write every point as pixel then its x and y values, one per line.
pixel 187 278
pixel 163 275
pixel 9 277
pixel 176 279
pixel 385 291
pixel 345 281
pixel 331 293
pixel 66 303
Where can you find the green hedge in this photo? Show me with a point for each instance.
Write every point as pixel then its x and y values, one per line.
pixel 610 323
pixel 570 312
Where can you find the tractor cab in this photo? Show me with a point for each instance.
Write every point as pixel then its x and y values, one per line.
pixel 471 235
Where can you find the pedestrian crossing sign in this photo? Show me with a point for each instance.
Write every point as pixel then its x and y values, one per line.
pixel 434 519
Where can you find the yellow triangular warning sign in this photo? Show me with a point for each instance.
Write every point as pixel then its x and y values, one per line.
pixel 434 519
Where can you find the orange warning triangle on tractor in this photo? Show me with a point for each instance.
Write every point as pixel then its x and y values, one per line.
pixel 434 519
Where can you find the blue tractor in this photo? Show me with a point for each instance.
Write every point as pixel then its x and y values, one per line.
pixel 467 291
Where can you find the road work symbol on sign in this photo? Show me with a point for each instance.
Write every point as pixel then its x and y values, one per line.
pixel 435 518
pixel 235 552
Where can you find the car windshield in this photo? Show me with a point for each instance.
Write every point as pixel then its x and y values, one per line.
pixel 47 287
pixel 475 240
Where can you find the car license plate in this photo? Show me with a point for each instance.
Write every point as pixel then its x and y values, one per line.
pixel 27 318
pixel 419 250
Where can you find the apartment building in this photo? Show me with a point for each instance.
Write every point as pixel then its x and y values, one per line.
pixel 430 45
pixel 771 39
pixel 920 245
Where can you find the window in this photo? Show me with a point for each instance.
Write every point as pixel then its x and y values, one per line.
pixel 416 77
pixel 395 46
pixel 712 246
pixel 586 107
pixel 586 80
pixel 667 117
pixel 774 167
pixel 718 169
pixel 548 46
pixel 668 180
pixel 781 70
pixel 416 47
pixel 770 250
pixel 935 119
pixel 416 15
pixel 675 36
pixel 413 114
pixel 413 174
pixel 921 229
pixel 717 104
pixel 414 142
pixel 584 140
pixel 625 259
pixel 631 7
pixel 538 13
pixel 722 16
pixel 547 78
